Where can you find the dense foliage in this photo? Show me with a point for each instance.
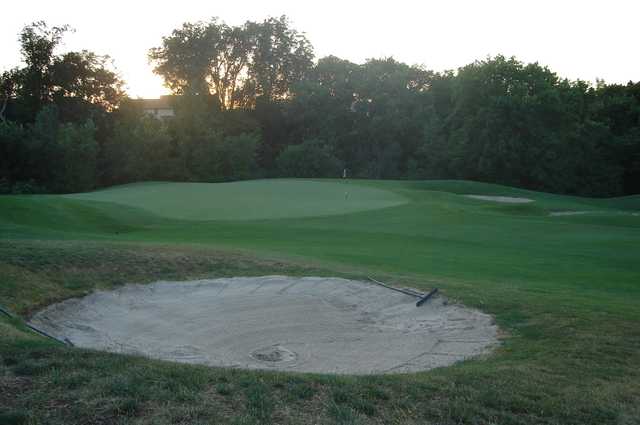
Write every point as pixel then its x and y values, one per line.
pixel 235 64
pixel 250 102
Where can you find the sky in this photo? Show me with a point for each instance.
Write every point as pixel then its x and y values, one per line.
pixel 576 39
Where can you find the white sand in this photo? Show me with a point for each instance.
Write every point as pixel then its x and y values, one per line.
pixel 311 324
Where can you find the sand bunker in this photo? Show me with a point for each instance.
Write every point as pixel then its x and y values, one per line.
pixel 310 324
pixel 504 199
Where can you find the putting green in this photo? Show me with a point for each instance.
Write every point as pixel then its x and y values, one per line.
pixel 248 200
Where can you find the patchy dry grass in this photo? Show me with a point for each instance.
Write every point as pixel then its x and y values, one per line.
pixel 577 371
pixel 37 273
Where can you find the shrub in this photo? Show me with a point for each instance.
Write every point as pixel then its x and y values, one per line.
pixel 313 158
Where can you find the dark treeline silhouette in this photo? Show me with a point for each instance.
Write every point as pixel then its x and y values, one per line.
pixel 250 101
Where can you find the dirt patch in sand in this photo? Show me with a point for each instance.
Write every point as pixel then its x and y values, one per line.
pixel 309 324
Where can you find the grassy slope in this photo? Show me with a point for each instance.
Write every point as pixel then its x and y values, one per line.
pixel 565 289
pixel 247 200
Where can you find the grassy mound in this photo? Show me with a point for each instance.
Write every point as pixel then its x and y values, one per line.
pixel 249 200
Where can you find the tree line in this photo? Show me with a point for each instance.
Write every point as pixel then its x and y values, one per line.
pixel 251 101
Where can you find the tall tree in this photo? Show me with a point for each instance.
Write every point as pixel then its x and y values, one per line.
pixel 82 79
pixel 85 76
pixel 38 43
pixel 280 57
pixel 236 64
pixel 8 86
pixel 185 58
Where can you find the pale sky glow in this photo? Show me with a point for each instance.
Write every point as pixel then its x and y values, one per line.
pixel 576 39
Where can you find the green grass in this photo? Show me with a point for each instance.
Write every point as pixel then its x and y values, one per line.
pixel 564 289
pixel 248 200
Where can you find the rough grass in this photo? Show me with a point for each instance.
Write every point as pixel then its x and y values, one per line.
pixel 37 273
pixel 563 289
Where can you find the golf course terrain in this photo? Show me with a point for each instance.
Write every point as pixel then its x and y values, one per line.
pixel 560 275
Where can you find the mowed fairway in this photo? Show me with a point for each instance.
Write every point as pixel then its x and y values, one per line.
pixel 564 289
pixel 250 200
